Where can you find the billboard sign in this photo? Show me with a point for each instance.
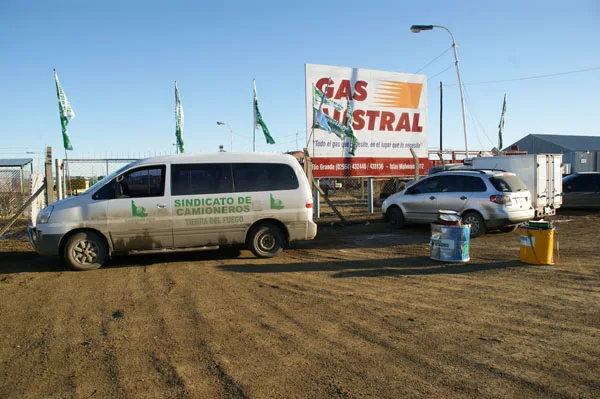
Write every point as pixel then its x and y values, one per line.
pixel 367 123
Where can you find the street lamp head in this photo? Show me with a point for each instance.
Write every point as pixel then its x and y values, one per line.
pixel 419 28
pixel 220 123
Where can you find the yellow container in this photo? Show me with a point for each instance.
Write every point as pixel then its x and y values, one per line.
pixel 537 246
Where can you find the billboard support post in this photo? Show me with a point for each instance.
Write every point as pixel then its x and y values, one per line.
pixel 370 193
pixel 316 203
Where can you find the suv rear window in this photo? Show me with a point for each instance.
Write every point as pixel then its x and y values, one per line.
pixel 508 183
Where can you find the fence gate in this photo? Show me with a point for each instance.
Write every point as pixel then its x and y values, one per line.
pixel 21 196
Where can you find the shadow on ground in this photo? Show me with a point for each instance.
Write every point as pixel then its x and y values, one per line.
pixel 417 265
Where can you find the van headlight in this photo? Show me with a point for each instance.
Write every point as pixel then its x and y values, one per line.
pixel 44 215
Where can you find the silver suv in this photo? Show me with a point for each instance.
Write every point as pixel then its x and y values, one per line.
pixel 485 199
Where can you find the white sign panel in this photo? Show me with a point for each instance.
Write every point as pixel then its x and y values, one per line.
pixel 388 117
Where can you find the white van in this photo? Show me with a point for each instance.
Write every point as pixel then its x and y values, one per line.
pixel 259 200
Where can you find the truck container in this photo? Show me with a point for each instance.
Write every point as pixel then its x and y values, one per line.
pixel 541 173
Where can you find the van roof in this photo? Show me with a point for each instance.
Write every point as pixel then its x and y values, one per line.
pixel 215 157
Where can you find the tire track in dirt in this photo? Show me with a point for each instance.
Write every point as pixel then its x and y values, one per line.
pixel 307 330
pixel 186 362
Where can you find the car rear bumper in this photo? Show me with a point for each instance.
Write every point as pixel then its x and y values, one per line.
pixel 511 218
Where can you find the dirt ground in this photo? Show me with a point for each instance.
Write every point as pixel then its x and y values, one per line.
pixel 361 311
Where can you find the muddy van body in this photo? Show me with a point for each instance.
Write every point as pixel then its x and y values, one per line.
pixel 261 201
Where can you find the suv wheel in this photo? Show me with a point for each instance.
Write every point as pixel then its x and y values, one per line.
pixel 477 223
pixel 396 217
pixel 509 229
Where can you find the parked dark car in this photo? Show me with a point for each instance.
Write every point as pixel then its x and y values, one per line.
pixel 581 190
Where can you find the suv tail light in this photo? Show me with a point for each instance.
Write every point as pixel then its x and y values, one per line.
pixel 309 203
pixel 501 199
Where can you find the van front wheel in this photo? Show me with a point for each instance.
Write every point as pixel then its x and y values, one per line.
pixel 85 251
pixel 266 241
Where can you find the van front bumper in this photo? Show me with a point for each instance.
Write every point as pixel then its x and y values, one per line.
pixel 44 244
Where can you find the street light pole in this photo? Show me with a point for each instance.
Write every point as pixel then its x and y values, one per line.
pixel 230 134
pixel 419 28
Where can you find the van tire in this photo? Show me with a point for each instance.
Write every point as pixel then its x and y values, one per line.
pixel 477 223
pixel 85 250
pixel 266 240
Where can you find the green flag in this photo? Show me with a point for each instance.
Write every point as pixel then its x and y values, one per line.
pixel 178 121
pixel 349 131
pixel 501 124
pixel 326 122
pixel 66 113
pixel 258 120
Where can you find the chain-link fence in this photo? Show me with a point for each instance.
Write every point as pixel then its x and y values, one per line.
pixel 77 175
pixel 17 185
pixel 348 195
pixel 351 198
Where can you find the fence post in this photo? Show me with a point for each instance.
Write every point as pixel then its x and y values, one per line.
pixel 414 154
pixel 370 193
pixel 65 177
pixel 59 191
pixel 316 203
pixel 49 178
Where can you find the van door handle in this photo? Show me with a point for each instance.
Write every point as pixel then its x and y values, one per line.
pixel 463 198
pixel 432 197
pixel 161 206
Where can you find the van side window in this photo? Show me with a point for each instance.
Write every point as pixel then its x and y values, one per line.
pixel 106 192
pixel 250 177
pixel 210 178
pixel 143 182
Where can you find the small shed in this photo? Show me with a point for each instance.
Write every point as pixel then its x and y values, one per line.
pixel 580 153
pixel 15 174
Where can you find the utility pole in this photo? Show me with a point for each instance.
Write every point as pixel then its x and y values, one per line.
pixel 441 115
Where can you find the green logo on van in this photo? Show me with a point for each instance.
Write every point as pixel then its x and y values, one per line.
pixel 138 211
pixel 275 203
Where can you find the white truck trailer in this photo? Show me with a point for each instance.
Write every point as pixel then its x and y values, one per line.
pixel 541 173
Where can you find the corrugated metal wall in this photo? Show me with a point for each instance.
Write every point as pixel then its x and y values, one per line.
pixel 585 161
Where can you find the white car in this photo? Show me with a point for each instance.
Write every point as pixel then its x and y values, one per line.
pixel 485 200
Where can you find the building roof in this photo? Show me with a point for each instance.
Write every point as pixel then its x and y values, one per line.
pixel 572 143
pixel 20 162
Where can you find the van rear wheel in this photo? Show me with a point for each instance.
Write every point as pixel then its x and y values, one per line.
pixel 85 251
pixel 266 241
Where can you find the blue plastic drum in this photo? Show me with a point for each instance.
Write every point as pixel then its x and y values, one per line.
pixel 450 243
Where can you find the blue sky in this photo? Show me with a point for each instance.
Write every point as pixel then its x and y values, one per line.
pixel 117 62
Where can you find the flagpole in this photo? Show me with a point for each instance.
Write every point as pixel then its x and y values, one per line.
pixel 501 124
pixel 254 116
pixel 67 174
